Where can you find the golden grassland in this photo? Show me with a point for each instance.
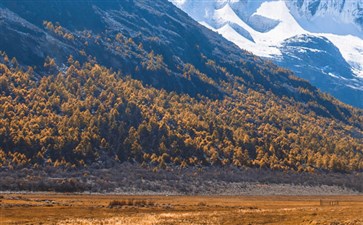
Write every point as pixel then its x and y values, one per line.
pixel 51 208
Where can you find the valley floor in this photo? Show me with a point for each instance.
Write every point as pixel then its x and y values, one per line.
pixel 50 208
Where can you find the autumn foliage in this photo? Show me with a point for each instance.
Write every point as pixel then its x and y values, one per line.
pixel 77 115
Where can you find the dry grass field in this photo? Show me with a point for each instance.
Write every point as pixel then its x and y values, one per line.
pixel 116 209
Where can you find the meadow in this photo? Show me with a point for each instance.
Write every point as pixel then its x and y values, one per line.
pixel 49 208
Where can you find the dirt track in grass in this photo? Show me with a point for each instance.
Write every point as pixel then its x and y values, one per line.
pixel 117 209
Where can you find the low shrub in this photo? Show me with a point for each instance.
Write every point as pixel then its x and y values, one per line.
pixel 130 202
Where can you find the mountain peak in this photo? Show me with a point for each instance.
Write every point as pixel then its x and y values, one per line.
pixel 254 26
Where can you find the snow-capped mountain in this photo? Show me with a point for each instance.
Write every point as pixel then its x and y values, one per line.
pixel 329 16
pixel 320 40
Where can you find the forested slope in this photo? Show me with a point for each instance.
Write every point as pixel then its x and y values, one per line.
pixel 88 113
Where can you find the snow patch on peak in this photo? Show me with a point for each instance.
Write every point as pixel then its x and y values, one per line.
pixel 287 26
pixel 179 3
pixel 351 48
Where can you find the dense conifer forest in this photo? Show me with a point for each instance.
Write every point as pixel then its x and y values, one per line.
pixel 81 113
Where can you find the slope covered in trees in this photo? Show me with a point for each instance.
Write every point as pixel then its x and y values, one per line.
pixel 86 113
pixel 184 97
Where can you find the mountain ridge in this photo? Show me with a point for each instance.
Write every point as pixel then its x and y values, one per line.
pixel 253 26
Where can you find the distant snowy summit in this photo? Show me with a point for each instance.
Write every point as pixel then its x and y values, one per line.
pixel 287 32
pixel 333 16
pixel 330 16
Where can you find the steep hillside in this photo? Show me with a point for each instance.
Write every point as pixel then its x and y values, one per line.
pixel 89 114
pixel 184 96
